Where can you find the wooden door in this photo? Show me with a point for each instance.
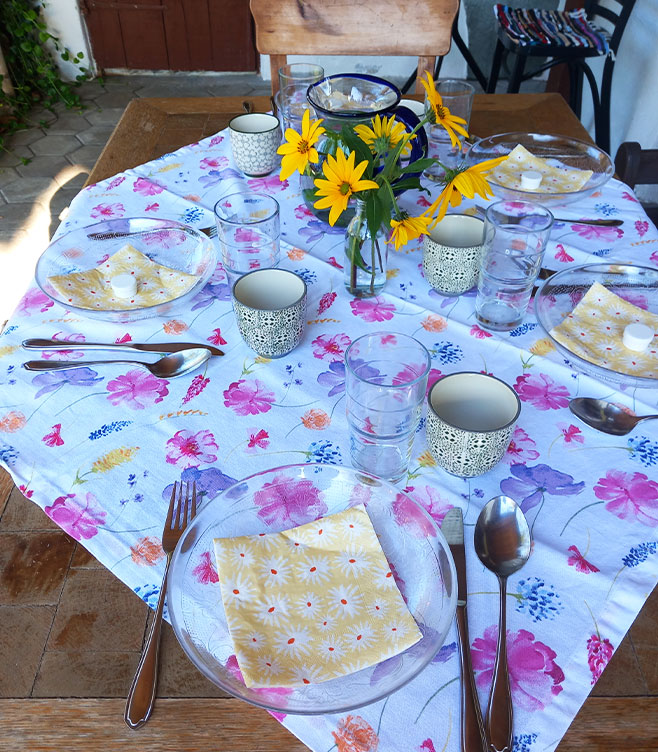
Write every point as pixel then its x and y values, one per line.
pixel 205 35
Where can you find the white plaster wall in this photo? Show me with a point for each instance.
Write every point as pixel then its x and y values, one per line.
pixel 65 22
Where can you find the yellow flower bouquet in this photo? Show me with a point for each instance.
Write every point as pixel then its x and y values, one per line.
pixel 370 163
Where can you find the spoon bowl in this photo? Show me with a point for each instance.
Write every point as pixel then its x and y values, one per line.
pixel 604 416
pixel 168 367
pixel 502 542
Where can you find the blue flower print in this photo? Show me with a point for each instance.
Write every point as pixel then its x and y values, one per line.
pixel 447 352
pixel 538 600
pixel 8 454
pixel 192 215
pixel 602 252
pixel 323 452
pixel 606 209
pixel 531 483
pixel 523 329
pixel 54 379
pixel 107 428
pixel 523 742
pixel 644 450
pixel 639 554
pixel 150 594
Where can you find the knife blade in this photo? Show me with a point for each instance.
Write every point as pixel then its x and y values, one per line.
pixel 162 347
pixel 472 728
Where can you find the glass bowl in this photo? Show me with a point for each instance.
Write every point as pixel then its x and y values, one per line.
pixel 559 151
pixel 415 548
pixel 164 241
pixel 562 292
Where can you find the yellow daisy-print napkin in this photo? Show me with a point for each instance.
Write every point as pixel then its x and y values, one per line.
pixel 554 179
pixel 595 328
pixel 311 603
pixel 93 288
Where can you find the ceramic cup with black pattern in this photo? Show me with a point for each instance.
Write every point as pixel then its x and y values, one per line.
pixel 452 252
pixel 270 308
pixel 470 420
pixel 255 137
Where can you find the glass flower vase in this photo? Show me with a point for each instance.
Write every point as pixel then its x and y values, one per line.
pixel 365 256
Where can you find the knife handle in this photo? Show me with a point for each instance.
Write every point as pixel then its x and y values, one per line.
pixel 472 727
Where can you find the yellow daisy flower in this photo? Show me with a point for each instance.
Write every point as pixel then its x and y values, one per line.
pixel 463 183
pixel 299 150
pixel 408 228
pixel 385 135
pixel 442 114
pixel 343 179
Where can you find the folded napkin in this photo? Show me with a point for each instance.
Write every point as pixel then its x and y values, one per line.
pixel 554 179
pixel 311 603
pixel 594 331
pixel 93 288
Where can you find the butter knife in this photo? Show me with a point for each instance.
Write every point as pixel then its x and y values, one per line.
pixel 472 727
pixel 162 347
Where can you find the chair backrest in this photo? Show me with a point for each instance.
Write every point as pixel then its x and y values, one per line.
pixel 635 165
pixel 353 27
pixel 615 12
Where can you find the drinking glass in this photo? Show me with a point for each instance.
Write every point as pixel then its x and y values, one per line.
pixel 291 101
pixel 457 96
pixel 385 383
pixel 248 230
pixel 515 237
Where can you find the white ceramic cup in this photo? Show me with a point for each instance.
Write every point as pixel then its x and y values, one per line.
pixel 270 308
pixel 470 420
pixel 452 252
pixel 255 137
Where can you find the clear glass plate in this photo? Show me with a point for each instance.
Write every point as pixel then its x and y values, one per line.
pixel 559 151
pixel 562 292
pixel 414 546
pixel 164 241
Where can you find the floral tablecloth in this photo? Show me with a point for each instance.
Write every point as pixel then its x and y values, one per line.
pixel 97 448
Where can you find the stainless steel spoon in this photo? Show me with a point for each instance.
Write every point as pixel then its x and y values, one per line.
pixel 502 542
pixel 595 222
pixel 604 416
pixel 168 367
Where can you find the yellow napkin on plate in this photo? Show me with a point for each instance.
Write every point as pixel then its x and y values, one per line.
pixel 595 328
pixel 311 603
pixel 554 179
pixel 93 288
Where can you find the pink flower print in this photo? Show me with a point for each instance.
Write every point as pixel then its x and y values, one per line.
pixel 654 257
pixel 146 187
pixel 153 207
pixel 535 678
pixel 216 337
pixel 629 196
pixel 641 225
pixel 595 232
pixel 302 211
pixel 115 182
pixel 411 372
pixel 271 693
pixel 334 263
pixel 205 572
pixel 24 490
pixel 216 140
pixel 372 309
pixel 331 349
pixel 423 202
pixel 187 449
pixel 34 299
pixel 210 163
pixel 629 496
pixel 326 301
pixel 580 562
pixel 53 438
pixel 80 518
pixel 408 514
pixel 599 653
pixel 286 502
pixel 479 333
pixel 137 389
pixel 270 184
pixel 432 501
pixel 433 376
pixel 541 391
pixel 561 254
pixel 125 338
pixel 258 439
pixel 165 238
pixel 107 210
pixel 427 746
pixel 521 448
pixel 571 434
pixel 199 383
pixel 248 397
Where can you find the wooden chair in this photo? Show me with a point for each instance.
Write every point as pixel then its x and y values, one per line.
pixel 637 166
pixel 569 37
pixel 348 27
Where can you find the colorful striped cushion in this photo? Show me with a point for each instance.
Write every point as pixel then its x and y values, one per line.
pixel 533 26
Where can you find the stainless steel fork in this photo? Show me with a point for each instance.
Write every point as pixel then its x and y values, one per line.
pixel 141 697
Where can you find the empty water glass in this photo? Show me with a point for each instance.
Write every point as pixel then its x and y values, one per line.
pixel 291 101
pixel 385 383
pixel 248 231
pixel 515 237
pixel 457 96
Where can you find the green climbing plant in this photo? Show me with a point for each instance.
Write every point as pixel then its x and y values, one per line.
pixel 28 47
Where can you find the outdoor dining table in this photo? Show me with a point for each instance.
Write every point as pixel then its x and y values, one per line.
pixel 97 448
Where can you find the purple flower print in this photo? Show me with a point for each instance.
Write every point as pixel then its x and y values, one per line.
pixel 531 483
pixel 187 449
pixel 210 482
pixel 334 378
pixel 146 187
pixel 629 496
pixel 210 293
pixel 214 177
pixel 80 518
pixel 373 309
pixel 316 230
pixel 34 299
pixel 248 397
pixel 541 391
pixel 535 678
pixel 106 211
pixel 286 502
pixel 408 514
pixel 52 380
pixel 136 390
pixel 599 653
pixel 521 448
